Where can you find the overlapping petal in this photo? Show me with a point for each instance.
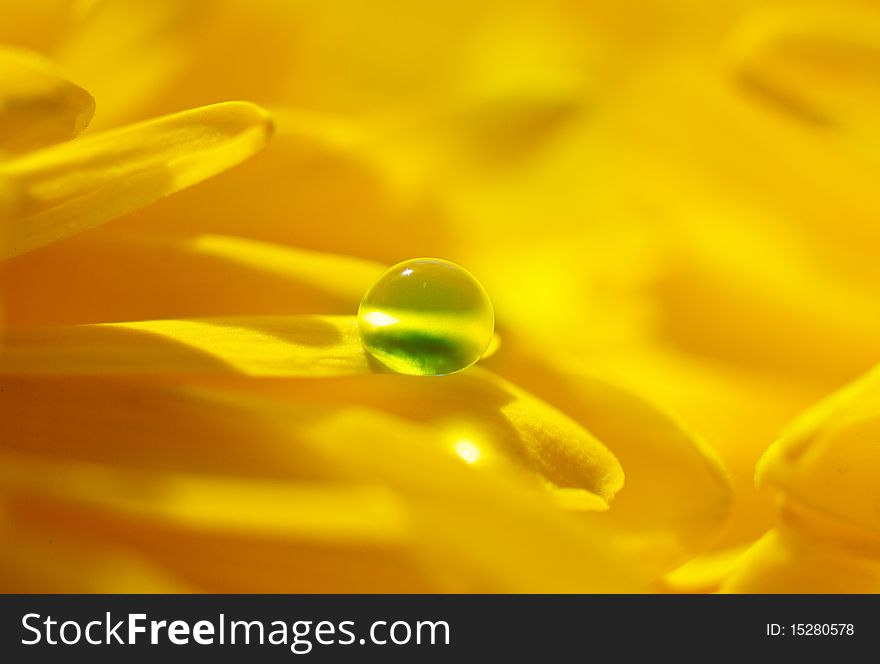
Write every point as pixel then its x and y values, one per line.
pixel 40 557
pixel 447 526
pixel 818 62
pixel 825 467
pixel 310 347
pixel 677 496
pixel 331 173
pixel 38 106
pixel 63 190
pixel 67 283
pixel 254 346
pixel 715 256
pixel 829 458
pixel 809 553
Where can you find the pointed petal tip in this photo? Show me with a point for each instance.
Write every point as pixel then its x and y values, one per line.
pixel 39 105
pixel 86 113
pixel 244 113
pixel 68 188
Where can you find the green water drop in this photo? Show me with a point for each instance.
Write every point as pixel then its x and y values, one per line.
pixel 426 317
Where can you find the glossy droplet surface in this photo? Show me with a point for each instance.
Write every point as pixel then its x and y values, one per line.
pixel 426 317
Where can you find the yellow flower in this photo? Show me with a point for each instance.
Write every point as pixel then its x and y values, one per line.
pixel 671 206
pixel 145 474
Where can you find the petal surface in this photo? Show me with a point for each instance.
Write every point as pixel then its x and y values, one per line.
pixel 66 189
pixel 256 346
pixel 331 172
pixel 39 25
pixel 677 495
pixel 829 459
pixel 443 524
pixel 308 347
pixel 126 276
pixel 38 106
pixel 482 418
pixel 808 552
pixel 817 62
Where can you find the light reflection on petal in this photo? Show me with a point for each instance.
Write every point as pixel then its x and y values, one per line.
pixel 468 450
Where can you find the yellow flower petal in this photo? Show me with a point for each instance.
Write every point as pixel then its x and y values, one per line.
pixel 578 500
pixel 825 465
pixel 809 553
pixel 484 419
pixel 103 279
pixel 491 494
pixel 37 105
pixel 134 276
pixel 790 294
pixel 829 459
pixel 711 397
pixel 65 189
pixel 446 526
pixel 520 426
pixel 818 61
pixel 309 55
pixel 359 513
pixel 327 175
pixel 705 573
pixel 38 24
pixel 677 495
pixel 256 346
pixel 37 559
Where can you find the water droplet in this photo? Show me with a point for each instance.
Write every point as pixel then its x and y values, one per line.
pixel 426 317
